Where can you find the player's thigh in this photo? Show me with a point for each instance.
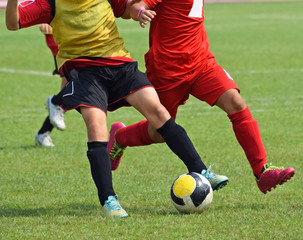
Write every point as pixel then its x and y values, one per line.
pixel 173 98
pixel 146 101
pixel 211 84
pixel 95 121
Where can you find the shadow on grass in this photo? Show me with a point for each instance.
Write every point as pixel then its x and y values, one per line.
pixel 213 209
pixel 68 210
pixel 24 147
pixel 80 210
pixel 241 207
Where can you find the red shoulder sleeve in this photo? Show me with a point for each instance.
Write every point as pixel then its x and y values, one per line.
pixel 118 7
pixel 152 3
pixel 32 12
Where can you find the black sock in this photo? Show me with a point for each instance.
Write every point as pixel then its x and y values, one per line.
pixel 101 170
pixel 57 99
pixel 46 127
pixel 178 141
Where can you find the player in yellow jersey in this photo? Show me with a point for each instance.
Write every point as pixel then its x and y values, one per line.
pixel 101 76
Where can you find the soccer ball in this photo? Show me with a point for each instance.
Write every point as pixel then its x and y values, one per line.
pixel 191 193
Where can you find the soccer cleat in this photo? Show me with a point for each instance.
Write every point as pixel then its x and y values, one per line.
pixel 272 176
pixel 112 208
pixel 56 114
pixel 216 181
pixel 44 140
pixel 114 149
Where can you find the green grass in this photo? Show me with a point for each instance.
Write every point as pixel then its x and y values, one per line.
pixel 49 193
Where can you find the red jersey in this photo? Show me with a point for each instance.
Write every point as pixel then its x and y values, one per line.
pixel 118 7
pixel 178 42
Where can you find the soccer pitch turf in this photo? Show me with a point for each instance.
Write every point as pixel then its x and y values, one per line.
pixel 49 194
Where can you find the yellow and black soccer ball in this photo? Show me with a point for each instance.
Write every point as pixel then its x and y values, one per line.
pixel 191 193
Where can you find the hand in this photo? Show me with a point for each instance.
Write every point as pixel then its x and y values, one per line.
pixel 145 16
pixel 46 29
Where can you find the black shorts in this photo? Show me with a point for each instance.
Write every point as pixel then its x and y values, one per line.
pixel 104 87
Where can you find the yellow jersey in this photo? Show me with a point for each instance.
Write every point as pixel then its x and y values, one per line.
pixel 86 28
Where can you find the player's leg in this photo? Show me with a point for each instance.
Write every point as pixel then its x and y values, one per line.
pixel 245 128
pixel 42 137
pixel 85 93
pixel 56 114
pixel 216 87
pixel 147 102
pixel 248 135
pixel 142 133
pixel 95 120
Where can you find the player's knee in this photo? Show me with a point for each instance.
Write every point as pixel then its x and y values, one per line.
pixel 237 103
pixel 158 116
pixel 231 102
pixel 161 113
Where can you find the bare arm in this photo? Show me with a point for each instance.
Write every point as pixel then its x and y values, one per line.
pixel 12 15
pixel 45 28
pixel 139 11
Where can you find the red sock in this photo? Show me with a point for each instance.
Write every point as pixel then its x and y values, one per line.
pixel 248 135
pixel 134 135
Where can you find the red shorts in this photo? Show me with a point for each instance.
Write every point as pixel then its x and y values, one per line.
pixel 206 84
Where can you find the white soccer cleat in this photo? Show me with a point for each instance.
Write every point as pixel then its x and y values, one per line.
pixel 44 140
pixel 56 114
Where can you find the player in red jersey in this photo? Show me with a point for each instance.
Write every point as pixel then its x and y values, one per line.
pixel 56 114
pixel 179 63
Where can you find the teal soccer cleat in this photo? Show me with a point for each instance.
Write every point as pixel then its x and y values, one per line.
pixel 216 181
pixel 112 208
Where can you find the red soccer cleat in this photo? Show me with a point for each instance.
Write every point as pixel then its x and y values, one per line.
pixel 272 176
pixel 115 150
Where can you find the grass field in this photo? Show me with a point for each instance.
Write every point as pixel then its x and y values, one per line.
pixel 49 193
